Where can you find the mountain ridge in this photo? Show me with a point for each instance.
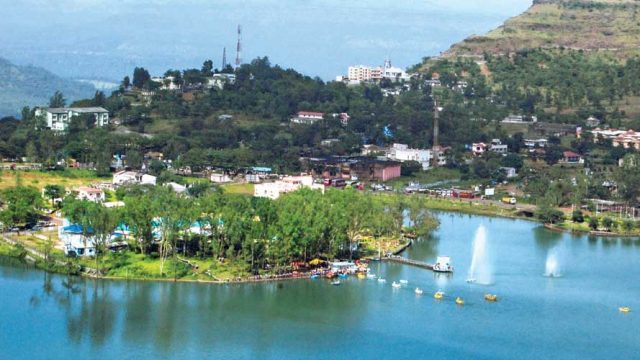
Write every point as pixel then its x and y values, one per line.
pixel 590 25
pixel 31 85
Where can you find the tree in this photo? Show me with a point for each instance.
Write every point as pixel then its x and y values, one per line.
pixel 53 192
pixel 553 154
pixel 593 223
pixel 577 216
pixel 512 160
pixel 411 167
pixel 140 77
pixel 126 82
pixel 22 205
pixel 549 214
pixel 207 68
pixel 607 223
pixel 628 179
pixel 57 100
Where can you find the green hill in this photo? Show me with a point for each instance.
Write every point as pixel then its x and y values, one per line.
pixel 612 25
pixel 29 86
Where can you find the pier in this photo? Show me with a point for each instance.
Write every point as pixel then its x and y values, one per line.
pixel 405 261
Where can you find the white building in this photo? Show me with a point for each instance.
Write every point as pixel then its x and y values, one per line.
pixel 402 153
pixel 218 81
pixel 497 147
pixel 307 117
pixel 286 185
pixel 75 242
pixel 519 119
pixel 364 73
pixel 531 143
pixel 133 177
pixel 90 194
pixel 166 82
pixel 509 172
pixel 58 119
pixel 220 178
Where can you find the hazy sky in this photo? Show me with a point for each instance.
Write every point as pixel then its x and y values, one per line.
pixel 106 38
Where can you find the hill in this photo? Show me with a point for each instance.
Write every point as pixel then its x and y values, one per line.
pixel 29 85
pixel 575 24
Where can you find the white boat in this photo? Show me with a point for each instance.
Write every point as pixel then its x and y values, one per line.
pixel 443 264
pixel 371 276
pixel 418 291
pixel 471 280
pixel 336 283
pixel 396 285
pixel 382 280
pixel 404 282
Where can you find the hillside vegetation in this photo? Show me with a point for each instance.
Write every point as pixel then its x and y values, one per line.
pixel 576 24
pixel 30 85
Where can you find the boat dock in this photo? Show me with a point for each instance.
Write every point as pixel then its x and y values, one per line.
pixel 405 261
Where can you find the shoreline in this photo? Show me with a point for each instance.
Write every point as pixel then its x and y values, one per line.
pixel 469 210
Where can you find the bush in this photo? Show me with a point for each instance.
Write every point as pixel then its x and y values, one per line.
pixel 577 216
pixel 593 223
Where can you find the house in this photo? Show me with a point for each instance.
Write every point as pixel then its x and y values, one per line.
pixel 307 117
pixel 287 184
pixel 519 119
pixel 509 172
pixel 58 119
pixel 629 140
pixel 177 188
pixel 167 82
pixel 370 149
pixel 74 241
pixel 497 147
pixel 90 194
pixel 570 157
pixel 402 153
pixel 532 143
pixel 554 129
pixel 478 148
pixel 218 81
pixel 376 170
pixel 220 178
pixel 344 118
pixel 329 142
pixel 133 177
pixel 592 122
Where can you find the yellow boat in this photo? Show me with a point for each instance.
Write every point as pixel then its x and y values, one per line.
pixel 491 297
pixel 438 295
pixel 624 309
pixel 459 301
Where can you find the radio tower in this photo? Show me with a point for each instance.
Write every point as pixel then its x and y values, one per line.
pixel 224 58
pixel 239 46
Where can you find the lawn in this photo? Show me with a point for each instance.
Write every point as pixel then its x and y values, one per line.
pixel 245 188
pixel 40 179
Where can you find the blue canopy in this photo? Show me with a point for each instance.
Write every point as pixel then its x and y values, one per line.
pixel 76 229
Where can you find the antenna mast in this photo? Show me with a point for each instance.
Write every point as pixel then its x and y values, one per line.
pixel 239 47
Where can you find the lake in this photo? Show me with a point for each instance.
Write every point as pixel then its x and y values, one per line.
pixel 572 316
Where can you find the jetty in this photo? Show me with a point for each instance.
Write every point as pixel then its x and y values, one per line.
pixel 405 261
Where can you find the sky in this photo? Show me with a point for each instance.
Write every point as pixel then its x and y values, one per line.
pixel 106 39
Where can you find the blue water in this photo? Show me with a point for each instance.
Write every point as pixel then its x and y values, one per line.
pixel 571 317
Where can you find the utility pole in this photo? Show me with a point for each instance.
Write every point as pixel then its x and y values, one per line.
pixel 435 150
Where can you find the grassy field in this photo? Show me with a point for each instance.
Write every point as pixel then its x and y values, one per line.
pixel 245 188
pixel 40 179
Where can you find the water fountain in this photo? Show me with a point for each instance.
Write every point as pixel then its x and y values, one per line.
pixel 552 268
pixel 480 271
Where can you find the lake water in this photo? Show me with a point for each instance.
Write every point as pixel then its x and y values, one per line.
pixel 572 316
